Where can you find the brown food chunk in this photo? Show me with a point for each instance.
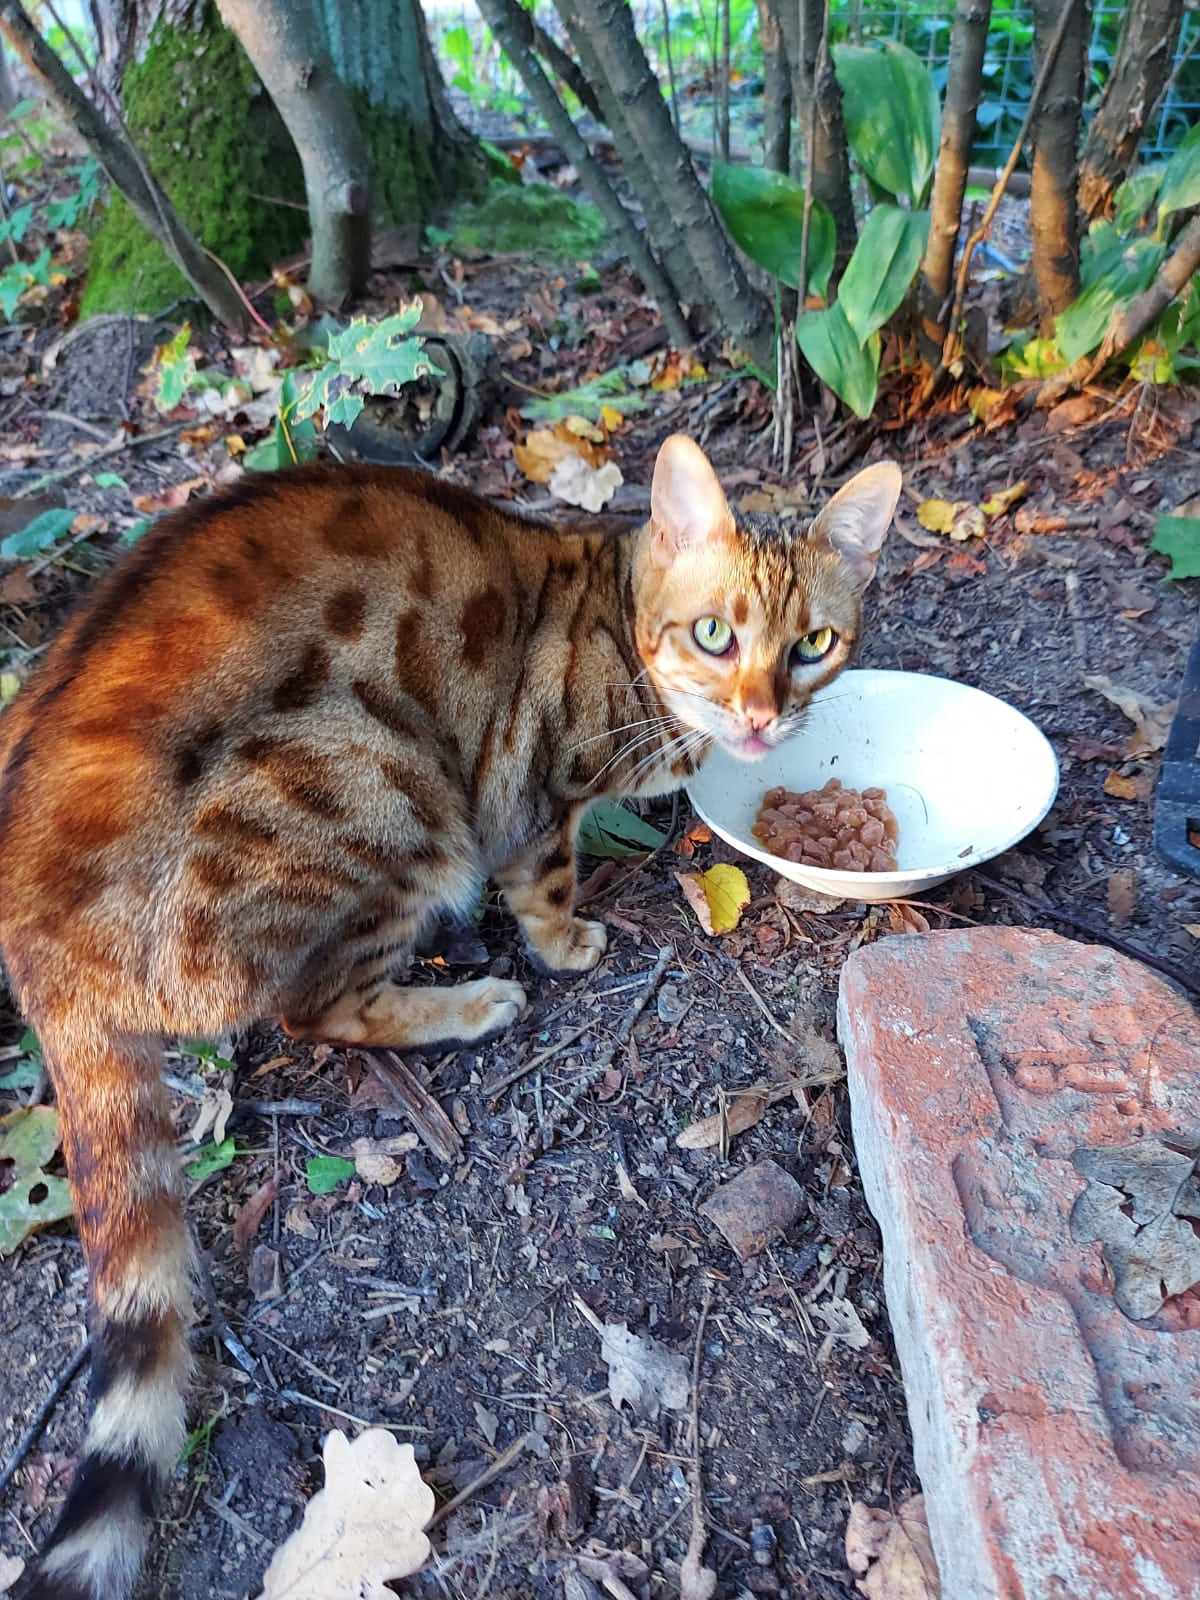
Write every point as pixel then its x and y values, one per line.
pixel 830 827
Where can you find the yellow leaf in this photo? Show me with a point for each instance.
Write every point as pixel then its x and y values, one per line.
pixel 998 504
pixel 1193 928
pixel 718 896
pixel 1119 787
pixel 958 518
pixel 540 454
pixel 583 429
pixel 235 444
pixel 611 419
pixel 9 685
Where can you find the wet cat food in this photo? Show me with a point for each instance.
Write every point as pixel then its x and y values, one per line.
pixel 830 827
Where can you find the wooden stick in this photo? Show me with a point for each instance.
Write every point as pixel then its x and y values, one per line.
pixel 57 1390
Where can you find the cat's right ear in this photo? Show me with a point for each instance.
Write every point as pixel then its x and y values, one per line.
pixel 687 504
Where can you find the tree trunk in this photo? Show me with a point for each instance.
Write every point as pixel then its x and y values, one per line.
pixel 197 112
pixel 419 155
pixel 138 190
pixel 729 299
pixel 777 90
pixel 1149 35
pixel 815 88
pixel 283 41
pixel 1052 214
pixel 507 18
pixel 968 42
pixel 661 226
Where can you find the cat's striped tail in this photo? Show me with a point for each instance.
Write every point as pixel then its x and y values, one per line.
pixel 121 1159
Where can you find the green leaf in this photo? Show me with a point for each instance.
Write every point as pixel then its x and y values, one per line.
pixel 832 350
pixel 1133 198
pixel 138 530
pixel 21 1076
pixel 16 224
pixel 1179 538
pixel 174 369
pixel 28 1043
pixel 611 830
pixel 29 1138
pixel 13 283
pixel 37 535
pixel 109 480
pixel 764 212
pixel 456 42
pixel 324 1173
pixel 893 121
pixel 212 1158
pixel 588 399
pixel 1181 181
pixel 881 270
pixel 1082 326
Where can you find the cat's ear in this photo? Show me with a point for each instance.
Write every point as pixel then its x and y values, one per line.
pixel 859 515
pixel 687 504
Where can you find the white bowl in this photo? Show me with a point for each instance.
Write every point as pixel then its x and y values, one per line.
pixel 966 776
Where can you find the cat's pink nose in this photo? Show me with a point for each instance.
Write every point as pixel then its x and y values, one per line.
pixel 760 717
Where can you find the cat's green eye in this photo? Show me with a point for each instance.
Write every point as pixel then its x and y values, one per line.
pixel 815 646
pixel 713 634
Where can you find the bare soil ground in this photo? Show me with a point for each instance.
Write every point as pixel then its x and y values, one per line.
pixel 443 1303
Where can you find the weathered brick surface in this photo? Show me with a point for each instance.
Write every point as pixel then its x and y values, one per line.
pixel 1057 1440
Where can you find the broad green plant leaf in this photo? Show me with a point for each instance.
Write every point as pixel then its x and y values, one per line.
pixel 881 270
pixel 1082 326
pixel 323 1174
pixel 832 350
pixel 1133 198
pixel 29 1138
pixel 764 212
pixel 1179 539
pixel 1181 180
pixel 612 830
pixel 23 1075
pixel 893 121
pixel 607 389
pixel 109 480
pixel 212 1158
pixel 173 367
pixel 16 224
pixel 36 536
pixel 365 359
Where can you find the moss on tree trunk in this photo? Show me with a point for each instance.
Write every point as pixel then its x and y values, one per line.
pixel 210 134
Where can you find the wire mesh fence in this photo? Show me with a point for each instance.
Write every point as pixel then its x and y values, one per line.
pixel 692 34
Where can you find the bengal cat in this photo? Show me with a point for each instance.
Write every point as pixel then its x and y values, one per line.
pixel 298 720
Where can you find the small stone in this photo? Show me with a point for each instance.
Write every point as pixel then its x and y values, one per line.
pixel 755 1207
pixel 854 1439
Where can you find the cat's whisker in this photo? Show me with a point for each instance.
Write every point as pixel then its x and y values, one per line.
pixel 613 733
pixel 627 749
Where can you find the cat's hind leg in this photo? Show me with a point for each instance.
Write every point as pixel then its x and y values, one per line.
pixel 347 993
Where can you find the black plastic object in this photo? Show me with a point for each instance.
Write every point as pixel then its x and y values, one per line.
pixel 1177 803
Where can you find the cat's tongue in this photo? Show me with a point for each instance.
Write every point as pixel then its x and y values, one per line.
pixel 751 747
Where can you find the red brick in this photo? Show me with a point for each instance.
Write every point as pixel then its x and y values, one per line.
pixel 1057 1440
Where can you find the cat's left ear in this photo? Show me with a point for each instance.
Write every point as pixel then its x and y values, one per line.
pixel 859 515
pixel 687 504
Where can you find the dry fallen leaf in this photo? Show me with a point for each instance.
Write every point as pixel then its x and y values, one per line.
pixel 1151 721
pixel 890 1553
pixel 577 483
pixel 959 519
pixel 905 918
pixel 718 896
pixel 997 504
pixel 643 1372
pixel 246 1224
pixel 1122 896
pixel 696 1581
pixel 544 448
pixel 743 1111
pixel 172 497
pixel 11 1568
pixel 16 588
pixel 1121 788
pixel 1193 928
pixel 214 1111
pixel 361 1530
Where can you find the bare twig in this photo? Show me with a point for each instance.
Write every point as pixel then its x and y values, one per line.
pixel 418 1105
pixel 762 1006
pixel 118 447
pixel 494 1090
pixel 501 1464
pixel 57 1389
pixel 666 21
pixel 695 1549
pixel 952 348
pixel 605 1057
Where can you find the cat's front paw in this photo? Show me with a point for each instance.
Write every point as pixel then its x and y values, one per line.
pixel 578 950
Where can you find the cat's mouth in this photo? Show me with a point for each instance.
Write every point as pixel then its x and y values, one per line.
pixel 750 747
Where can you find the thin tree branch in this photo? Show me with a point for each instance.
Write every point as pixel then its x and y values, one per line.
pixel 502 16
pixel 125 168
pixel 964 83
pixel 666 18
pixel 1139 78
pixel 556 58
pixel 1131 321
pixel 952 348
